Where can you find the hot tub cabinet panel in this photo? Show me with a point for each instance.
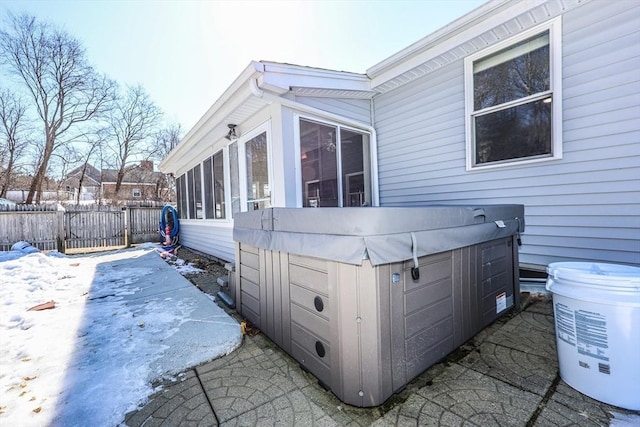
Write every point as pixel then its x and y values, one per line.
pixel 366 330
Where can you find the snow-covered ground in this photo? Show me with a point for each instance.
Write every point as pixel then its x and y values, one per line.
pixel 113 330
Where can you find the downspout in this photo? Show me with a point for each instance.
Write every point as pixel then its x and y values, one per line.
pixel 271 98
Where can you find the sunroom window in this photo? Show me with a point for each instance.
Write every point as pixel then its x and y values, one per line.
pixel 181 195
pixel 257 173
pixel 214 187
pixel 335 166
pixel 194 192
pixel 513 102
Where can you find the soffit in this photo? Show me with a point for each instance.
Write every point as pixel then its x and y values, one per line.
pixel 209 137
pixel 332 93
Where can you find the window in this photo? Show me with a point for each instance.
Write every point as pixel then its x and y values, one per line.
pixel 218 186
pixel 207 172
pixel 257 173
pixel 203 190
pixel 181 196
pixel 194 192
pixel 335 165
pixel 513 100
pixel 137 193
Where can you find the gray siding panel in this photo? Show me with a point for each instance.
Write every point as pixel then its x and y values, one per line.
pixel 585 206
pixel 355 109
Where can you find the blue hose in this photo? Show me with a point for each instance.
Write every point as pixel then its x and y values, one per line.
pixel 163 221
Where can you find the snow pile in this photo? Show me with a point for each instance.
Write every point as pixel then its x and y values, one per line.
pixel 185 268
pixel 90 359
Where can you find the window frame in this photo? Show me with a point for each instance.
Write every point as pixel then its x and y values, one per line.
pixel 554 27
pixel 181 196
pixel 134 191
pixel 209 187
pixel 242 163
pixel 340 184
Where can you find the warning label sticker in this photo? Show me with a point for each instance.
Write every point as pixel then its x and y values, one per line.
pixel 501 302
pixel 565 325
pixel 585 330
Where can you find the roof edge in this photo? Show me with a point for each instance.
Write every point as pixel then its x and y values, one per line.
pixel 436 37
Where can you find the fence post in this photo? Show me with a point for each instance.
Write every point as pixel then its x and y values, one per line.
pixel 60 232
pixel 127 226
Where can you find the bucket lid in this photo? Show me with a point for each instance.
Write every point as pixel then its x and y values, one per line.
pixel 597 274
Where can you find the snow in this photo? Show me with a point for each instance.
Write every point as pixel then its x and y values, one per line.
pixel 624 420
pixel 121 320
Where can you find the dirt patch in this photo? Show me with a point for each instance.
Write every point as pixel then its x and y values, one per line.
pixel 211 265
pixel 207 279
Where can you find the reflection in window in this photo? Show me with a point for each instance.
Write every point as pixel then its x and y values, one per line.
pixel 258 191
pixel 197 190
pixel 207 172
pixel 326 180
pixel 318 148
pixel 513 103
pixel 218 185
pixel 355 168
pixel 213 172
pixel 181 196
pixel 190 194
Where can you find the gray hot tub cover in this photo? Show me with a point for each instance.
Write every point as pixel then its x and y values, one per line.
pixel 382 234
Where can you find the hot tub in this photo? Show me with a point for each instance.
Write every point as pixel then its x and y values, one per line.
pixel 366 299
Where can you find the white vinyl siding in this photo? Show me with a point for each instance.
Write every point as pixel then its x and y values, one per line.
pixel 585 206
pixel 355 109
pixel 214 238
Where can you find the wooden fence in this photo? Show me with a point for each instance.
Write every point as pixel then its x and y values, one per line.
pixel 78 229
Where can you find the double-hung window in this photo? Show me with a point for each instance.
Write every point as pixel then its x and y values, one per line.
pixel 513 100
pixel 335 165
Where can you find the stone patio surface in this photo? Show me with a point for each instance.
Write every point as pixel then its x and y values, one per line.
pixel 505 376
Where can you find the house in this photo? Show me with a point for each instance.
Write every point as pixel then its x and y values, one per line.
pixel 19 186
pixel 140 183
pixel 534 103
pixel 89 188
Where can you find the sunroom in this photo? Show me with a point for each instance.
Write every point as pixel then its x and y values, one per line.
pixel 280 136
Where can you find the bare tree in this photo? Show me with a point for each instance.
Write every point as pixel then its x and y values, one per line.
pixel 65 89
pixel 92 143
pixel 12 116
pixel 166 139
pixel 133 123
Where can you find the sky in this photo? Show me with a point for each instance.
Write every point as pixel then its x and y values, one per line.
pixel 186 53
pixel 113 330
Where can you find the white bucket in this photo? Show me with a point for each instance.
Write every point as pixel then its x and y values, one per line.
pixel 597 315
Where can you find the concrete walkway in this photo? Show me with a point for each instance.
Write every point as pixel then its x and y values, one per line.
pixel 506 376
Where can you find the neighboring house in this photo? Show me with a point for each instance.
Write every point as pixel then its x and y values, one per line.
pixel 19 189
pixel 140 183
pixel 89 189
pixel 534 103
